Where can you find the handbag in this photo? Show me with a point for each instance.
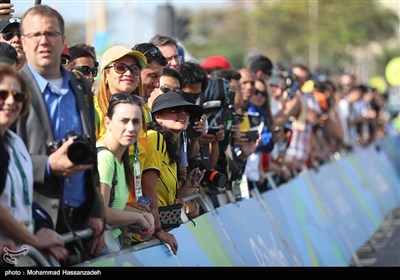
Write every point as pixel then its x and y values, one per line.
pixel 172 216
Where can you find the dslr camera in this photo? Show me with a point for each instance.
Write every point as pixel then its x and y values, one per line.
pixel 81 150
pixel 214 179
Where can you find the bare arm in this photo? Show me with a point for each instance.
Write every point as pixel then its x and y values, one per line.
pixel 43 240
pixel 121 217
pixel 149 188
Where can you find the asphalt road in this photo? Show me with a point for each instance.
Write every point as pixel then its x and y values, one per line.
pixel 383 249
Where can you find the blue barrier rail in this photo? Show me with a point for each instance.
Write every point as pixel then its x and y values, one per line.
pixel 317 219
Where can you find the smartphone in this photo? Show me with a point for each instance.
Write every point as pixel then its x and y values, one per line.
pixel 5 2
pixel 190 132
pixel 213 130
pixel 195 176
pixel 144 200
pixel 236 118
pixel 252 135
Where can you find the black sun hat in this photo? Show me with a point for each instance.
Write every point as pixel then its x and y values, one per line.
pixel 172 99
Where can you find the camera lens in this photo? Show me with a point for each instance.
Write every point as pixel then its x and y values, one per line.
pixel 214 179
pixel 80 153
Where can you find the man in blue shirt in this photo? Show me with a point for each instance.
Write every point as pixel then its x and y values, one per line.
pixel 60 103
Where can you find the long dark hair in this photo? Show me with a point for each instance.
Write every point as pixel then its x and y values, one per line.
pixel 172 146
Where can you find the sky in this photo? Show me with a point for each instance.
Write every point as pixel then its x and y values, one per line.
pixel 130 21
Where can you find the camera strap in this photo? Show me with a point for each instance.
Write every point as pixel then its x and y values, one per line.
pixel 205 154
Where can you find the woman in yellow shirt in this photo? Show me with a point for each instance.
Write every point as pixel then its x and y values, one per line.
pixel 159 155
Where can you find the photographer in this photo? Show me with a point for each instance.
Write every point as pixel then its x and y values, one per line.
pixel 59 104
pixel 194 83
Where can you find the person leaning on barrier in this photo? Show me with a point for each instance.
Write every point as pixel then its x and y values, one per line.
pixel 160 157
pixel 120 73
pixel 235 148
pixel 169 80
pixel 67 190
pixel 16 193
pixel 123 123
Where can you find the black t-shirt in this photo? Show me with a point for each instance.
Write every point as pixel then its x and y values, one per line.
pixel 3 164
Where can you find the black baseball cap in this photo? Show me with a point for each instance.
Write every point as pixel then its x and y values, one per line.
pixel 173 99
pixel 9 21
pixel 8 54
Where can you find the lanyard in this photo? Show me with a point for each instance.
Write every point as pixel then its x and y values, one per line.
pixel 136 173
pixel 24 181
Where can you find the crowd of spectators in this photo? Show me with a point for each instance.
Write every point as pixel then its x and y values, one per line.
pixel 107 145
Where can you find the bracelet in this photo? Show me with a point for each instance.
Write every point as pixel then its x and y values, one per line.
pixel 157 230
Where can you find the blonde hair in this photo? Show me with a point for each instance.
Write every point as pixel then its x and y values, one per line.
pixel 104 93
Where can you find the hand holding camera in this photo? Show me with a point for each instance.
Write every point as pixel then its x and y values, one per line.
pixel 71 155
pixel 217 131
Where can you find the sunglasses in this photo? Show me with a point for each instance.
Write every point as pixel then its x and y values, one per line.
pixel 153 52
pixel 122 98
pixel 165 89
pixel 86 70
pixel 64 61
pixel 121 68
pixel 10 34
pixel 18 96
pixel 263 93
pixel 126 97
pixel 178 110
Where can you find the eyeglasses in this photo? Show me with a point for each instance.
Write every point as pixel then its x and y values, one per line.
pixel 64 61
pixel 51 35
pixel 166 89
pixel 86 70
pixel 18 96
pixel 152 52
pixel 263 93
pixel 121 68
pixel 10 34
pixel 178 110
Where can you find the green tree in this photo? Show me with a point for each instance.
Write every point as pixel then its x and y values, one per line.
pixel 283 29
